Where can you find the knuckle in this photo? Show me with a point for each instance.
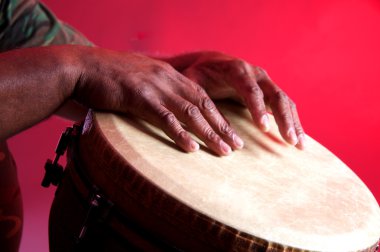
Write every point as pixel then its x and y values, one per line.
pixel 211 135
pixel 239 63
pixel 292 104
pixel 142 91
pixel 200 90
pixel 138 96
pixel 206 104
pixel 226 130
pixel 160 70
pixel 178 77
pixel 241 67
pixel 260 73
pixel 280 96
pixel 254 90
pixel 299 129
pixel 182 135
pixel 192 111
pixel 168 117
pixel 285 115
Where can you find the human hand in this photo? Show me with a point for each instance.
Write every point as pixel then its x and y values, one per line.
pixel 223 76
pixel 154 91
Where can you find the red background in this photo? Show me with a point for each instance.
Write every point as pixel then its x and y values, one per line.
pixel 324 54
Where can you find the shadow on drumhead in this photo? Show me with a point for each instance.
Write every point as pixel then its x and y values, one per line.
pixel 240 118
pixel 144 129
pixel 241 121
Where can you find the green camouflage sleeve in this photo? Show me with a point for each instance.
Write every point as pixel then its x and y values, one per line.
pixel 28 23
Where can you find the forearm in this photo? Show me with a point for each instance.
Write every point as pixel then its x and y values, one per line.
pixel 34 83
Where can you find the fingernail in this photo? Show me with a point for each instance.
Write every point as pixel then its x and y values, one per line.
pixel 225 147
pixel 194 146
pixel 239 143
pixel 292 136
pixel 302 141
pixel 265 123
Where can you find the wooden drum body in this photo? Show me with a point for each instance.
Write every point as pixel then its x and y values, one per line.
pixel 269 196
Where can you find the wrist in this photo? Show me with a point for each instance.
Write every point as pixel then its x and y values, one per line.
pixel 72 67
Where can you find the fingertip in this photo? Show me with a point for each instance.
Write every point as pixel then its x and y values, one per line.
pixel 264 123
pixel 194 146
pixel 292 137
pixel 239 143
pixel 226 149
pixel 186 142
pixel 302 142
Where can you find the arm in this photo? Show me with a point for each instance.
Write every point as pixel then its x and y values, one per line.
pixel 29 23
pixel 35 82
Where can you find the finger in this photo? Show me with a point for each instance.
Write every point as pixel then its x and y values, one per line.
pixel 190 114
pixel 212 115
pixel 243 78
pixel 298 127
pixel 283 109
pixel 254 99
pixel 166 120
pixel 279 102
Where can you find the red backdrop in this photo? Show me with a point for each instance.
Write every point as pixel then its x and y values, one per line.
pixel 324 54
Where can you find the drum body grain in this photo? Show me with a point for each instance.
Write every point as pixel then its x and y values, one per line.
pixel 267 197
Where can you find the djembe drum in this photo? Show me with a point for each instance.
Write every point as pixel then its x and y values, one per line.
pixel 127 187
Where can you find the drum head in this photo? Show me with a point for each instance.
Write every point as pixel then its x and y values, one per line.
pixel 309 200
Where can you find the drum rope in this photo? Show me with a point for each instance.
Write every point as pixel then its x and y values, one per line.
pixel 98 206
